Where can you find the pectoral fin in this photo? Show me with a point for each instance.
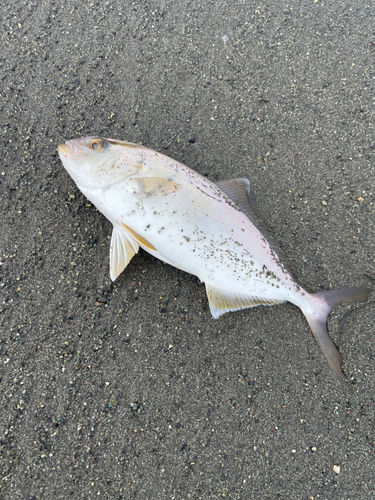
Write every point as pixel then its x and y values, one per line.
pixel 157 186
pixel 222 301
pixel 123 248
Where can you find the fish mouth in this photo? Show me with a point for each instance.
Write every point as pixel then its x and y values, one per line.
pixel 64 149
pixel 69 149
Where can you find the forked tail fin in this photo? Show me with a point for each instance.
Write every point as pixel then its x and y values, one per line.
pixel 318 320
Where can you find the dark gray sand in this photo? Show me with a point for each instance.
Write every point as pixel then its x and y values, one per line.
pixel 132 390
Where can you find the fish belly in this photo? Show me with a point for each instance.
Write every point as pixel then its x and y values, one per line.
pixel 202 235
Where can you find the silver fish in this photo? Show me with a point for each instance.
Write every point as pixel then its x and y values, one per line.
pixel 207 229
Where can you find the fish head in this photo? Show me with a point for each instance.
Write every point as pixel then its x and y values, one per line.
pixel 97 163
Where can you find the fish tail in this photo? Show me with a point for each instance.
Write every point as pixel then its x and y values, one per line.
pixel 317 320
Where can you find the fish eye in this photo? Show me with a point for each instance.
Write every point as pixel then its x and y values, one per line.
pixel 97 144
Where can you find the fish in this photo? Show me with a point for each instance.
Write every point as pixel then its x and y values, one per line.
pixel 208 229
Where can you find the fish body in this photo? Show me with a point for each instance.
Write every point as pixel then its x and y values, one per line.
pixel 204 228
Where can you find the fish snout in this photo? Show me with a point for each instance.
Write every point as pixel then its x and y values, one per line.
pixel 70 149
pixel 64 149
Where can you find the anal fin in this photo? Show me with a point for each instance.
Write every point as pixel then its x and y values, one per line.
pixel 123 248
pixel 222 301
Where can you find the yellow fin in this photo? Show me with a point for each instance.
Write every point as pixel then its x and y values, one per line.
pixel 123 248
pixel 139 239
pixel 157 186
pixel 222 301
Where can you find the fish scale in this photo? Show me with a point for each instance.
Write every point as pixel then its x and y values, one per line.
pixel 197 246
pixel 207 229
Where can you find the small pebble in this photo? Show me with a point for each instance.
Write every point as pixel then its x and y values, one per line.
pixel 360 199
pixel 336 468
pixel 324 203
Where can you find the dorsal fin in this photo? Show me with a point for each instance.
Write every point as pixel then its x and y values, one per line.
pixel 238 190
